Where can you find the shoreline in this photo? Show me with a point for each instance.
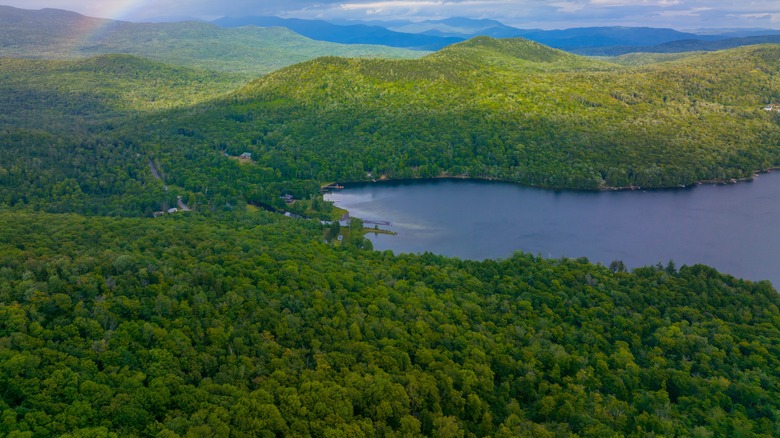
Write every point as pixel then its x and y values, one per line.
pixel 715 181
pixel 340 185
pixel 343 184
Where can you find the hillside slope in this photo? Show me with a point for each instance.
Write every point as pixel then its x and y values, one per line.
pixel 58 146
pixel 93 89
pixel 511 110
pixel 501 109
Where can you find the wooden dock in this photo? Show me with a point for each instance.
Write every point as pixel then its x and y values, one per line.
pixel 385 223
pixel 331 186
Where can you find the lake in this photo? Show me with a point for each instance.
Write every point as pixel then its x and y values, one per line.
pixel 734 228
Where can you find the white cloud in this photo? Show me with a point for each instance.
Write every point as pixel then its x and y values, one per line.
pixel 569 7
pixel 621 3
pixel 388 5
pixel 772 18
pixel 696 12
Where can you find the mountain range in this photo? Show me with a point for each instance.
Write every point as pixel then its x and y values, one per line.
pixel 470 27
pixel 252 46
pixel 435 34
pixel 246 52
pixel 345 34
pixel 681 46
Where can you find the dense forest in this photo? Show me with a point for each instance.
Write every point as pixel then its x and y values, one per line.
pixel 510 110
pixel 231 321
pixel 59 150
pixel 249 325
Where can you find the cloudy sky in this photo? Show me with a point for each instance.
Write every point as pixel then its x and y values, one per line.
pixel 548 14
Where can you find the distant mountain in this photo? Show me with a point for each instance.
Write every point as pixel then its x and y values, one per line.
pixel 436 34
pixel 565 39
pixel 460 27
pixel 681 46
pixel 594 41
pixel 249 52
pixel 345 34
pixel 736 33
pixel 577 38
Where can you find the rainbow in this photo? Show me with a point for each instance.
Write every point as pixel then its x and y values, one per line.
pixel 102 15
pixel 115 9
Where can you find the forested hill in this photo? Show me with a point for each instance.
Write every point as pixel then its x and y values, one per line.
pixel 99 88
pixel 59 149
pixel 512 53
pixel 505 109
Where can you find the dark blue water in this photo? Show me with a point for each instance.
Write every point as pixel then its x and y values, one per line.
pixel 734 228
